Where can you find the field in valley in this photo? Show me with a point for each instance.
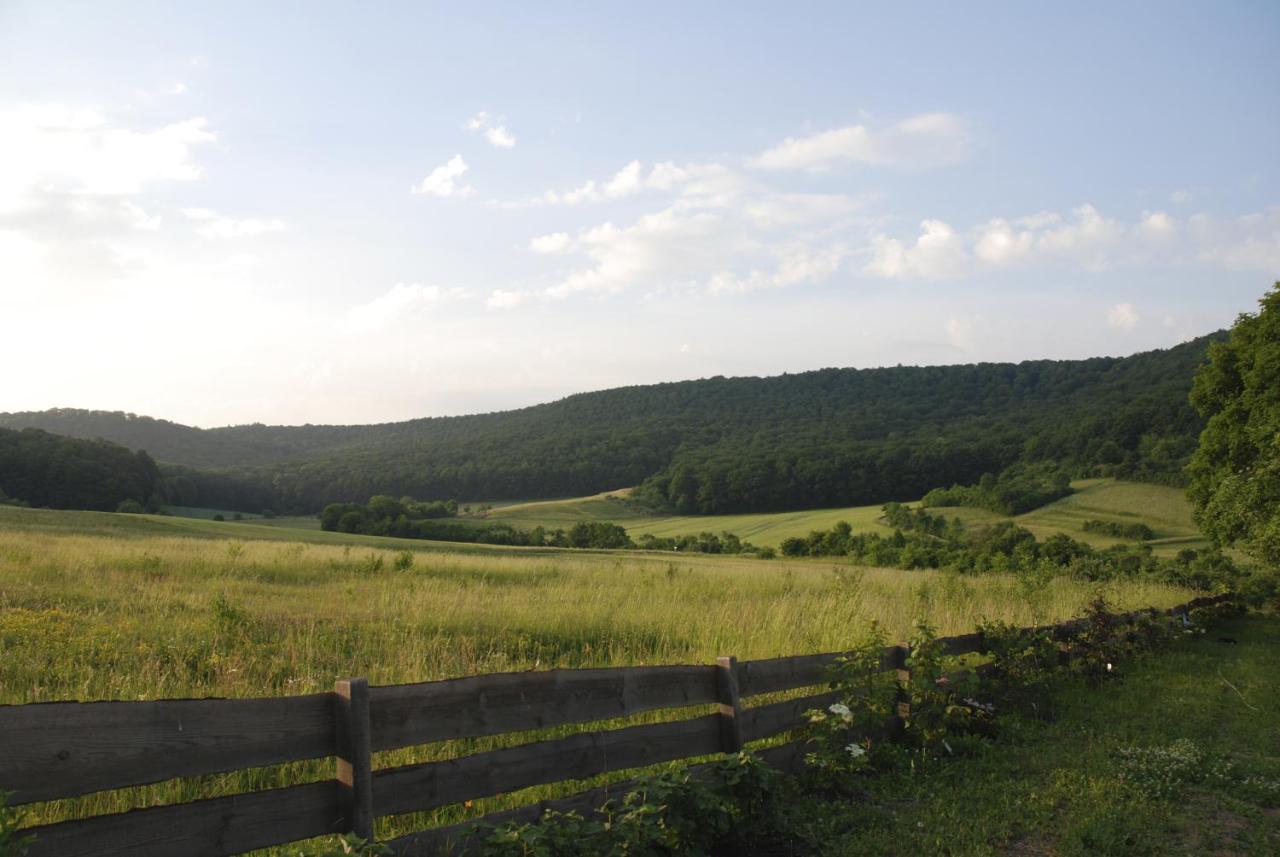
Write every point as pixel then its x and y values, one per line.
pixel 104 606
pixel 1164 509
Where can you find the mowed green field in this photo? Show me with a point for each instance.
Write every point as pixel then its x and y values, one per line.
pixel 112 606
pixel 1164 509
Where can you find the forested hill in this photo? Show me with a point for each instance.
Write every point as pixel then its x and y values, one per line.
pixel 823 438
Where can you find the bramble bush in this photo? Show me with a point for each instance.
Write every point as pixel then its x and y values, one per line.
pixel 673 812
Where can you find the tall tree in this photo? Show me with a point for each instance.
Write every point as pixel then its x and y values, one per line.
pixel 1235 473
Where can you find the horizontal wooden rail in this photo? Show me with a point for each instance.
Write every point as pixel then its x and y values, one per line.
pixel 407 714
pixel 765 721
pixel 419 787
pixel 62 749
pixel 204 828
pixel 775 674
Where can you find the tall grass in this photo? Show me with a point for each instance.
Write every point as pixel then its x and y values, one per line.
pixel 85 616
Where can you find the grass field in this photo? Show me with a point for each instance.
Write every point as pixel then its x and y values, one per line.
pixel 1164 509
pixel 1054 786
pixel 106 606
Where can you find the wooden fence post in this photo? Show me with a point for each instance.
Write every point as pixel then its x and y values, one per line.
pixel 730 704
pixel 353 753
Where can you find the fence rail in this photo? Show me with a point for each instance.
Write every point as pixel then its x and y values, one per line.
pixel 50 751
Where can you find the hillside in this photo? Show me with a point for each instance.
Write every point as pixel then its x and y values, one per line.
pixel 828 438
pixel 43 469
pixel 1164 509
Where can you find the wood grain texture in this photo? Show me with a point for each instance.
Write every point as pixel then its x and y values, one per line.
pixel 404 715
pixel 62 749
pixel 204 828
pixel 730 704
pixel 426 786
pixel 774 674
pixel 353 768
pixel 765 721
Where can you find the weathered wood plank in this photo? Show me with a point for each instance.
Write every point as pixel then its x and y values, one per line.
pixel 774 674
pixel 204 828
pixel 730 705
pixel 62 749
pixel 765 721
pixel 354 760
pixel 408 714
pixel 426 786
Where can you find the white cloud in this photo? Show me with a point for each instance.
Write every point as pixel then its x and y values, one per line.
pixel 927 140
pixel 703 184
pixel 214 225
pixel 1086 240
pixel 937 253
pixel 500 137
pixel 496 133
pixel 1248 243
pixel 137 217
pixel 442 181
pixel 713 240
pixel 625 182
pixel 507 298
pixel 50 149
pixel 557 242
pixel 1122 316
pixel 404 302
pixel 1156 226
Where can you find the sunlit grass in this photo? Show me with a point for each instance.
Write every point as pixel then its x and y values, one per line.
pixel 130 615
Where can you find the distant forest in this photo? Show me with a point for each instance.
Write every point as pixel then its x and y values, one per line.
pixel 830 437
pixel 42 469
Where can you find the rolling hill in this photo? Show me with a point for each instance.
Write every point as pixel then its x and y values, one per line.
pixel 827 438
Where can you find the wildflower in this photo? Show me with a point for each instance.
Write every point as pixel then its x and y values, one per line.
pixel 839 708
pixel 855 751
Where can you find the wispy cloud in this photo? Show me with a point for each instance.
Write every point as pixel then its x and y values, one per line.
pixel 1122 316
pixel 1083 240
pixel 214 225
pixel 927 140
pixel 492 130
pixel 404 302
pixel 443 180
pixel 57 149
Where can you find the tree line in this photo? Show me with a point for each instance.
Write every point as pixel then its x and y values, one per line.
pixel 923 540
pixel 825 438
pixel 55 472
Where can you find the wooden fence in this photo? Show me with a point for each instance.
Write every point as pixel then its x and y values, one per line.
pixel 59 750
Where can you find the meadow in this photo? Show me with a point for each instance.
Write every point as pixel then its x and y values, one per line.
pixel 105 606
pixel 1166 510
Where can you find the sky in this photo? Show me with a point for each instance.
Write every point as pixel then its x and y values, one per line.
pixel 349 213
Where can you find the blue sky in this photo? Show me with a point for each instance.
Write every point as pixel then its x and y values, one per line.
pixel 350 213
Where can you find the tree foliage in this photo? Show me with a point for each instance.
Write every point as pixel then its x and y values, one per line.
pixel 55 472
pixel 1235 472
